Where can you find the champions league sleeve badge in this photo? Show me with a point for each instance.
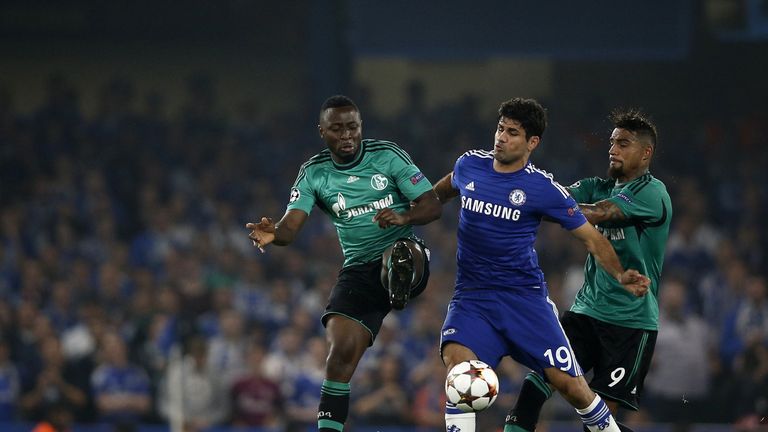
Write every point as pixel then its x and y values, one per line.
pixel 517 197
pixel 295 195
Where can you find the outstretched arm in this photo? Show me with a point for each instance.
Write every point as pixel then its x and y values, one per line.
pixel 602 211
pixel 424 210
pixel 444 189
pixel 281 234
pixel 605 255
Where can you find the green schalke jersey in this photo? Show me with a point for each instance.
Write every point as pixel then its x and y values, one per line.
pixel 382 175
pixel 639 242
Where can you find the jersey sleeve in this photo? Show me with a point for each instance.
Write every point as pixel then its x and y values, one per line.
pixel 642 203
pixel 560 206
pixel 409 178
pixel 302 195
pixel 582 190
pixel 456 173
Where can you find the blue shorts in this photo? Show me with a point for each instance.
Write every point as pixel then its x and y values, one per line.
pixel 520 323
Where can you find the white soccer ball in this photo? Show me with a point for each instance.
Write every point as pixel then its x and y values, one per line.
pixel 472 385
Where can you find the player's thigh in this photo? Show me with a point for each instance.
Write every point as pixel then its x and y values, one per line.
pixel 626 356
pixel 584 340
pixel 359 296
pixel 454 353
pixel 467 324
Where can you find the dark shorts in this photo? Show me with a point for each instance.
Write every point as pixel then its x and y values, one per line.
pixel 620 356
pixel 359 294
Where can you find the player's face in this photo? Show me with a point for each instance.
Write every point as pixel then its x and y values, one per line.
pixel 510 145
pixel 341 129
pixel 628 155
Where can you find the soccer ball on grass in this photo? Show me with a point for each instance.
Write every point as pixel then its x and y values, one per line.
pixel 472 386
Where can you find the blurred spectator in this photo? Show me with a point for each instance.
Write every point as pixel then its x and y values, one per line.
pixel 61 306
pixel 227 350
pixel 388 344
pixel 58 385
pixel 80 341
pixel 678 381
pixel 196 388
pixel 303 395
pixel 9 384
pixel 283 361
pixel 745 340
pixel 747 324
pixel 383 400
pixel 428 405
pixel 690 248
pixel 721 287
pixel 121 390
pixel 256 399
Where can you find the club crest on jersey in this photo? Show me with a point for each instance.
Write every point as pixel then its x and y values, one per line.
pixel 295 195
pixel 379 181
pixel 517 197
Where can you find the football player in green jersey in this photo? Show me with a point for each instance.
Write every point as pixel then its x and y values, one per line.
pixel 612 331
pixel 374 194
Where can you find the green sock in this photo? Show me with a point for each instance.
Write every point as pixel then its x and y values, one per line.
pixel 334 406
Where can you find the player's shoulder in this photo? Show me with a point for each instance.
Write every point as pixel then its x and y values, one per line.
pixel 657 183
pixel 538 175
pixel 315 165
pixel 647 184
pixel 543 181
pixel 592 183
pixel 379 148
pixel 321 158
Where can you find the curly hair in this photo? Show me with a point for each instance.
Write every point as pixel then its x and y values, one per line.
pixel 529 112
pixel 634 120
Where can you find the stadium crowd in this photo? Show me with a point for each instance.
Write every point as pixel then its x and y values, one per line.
pixel 128 286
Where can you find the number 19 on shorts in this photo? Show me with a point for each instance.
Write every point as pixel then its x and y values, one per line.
pixel 561 359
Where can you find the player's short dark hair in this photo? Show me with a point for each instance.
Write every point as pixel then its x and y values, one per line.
pixel 529 112
pixel 337 101
pixel 635 121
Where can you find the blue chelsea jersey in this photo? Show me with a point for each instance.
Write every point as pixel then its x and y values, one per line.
pixel 500 214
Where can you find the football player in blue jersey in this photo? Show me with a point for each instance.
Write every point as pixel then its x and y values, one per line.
pixel 500 306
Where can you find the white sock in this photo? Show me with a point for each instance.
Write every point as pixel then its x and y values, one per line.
pixel 597 417
pixel 464 422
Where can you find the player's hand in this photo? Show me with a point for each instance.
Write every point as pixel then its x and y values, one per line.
pixel 388 217
pixel 635 283
pixel 262 233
